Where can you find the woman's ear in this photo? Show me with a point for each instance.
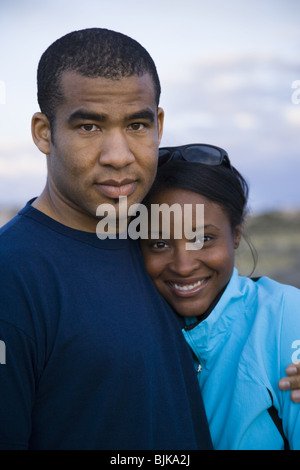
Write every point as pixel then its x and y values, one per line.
pixel 41 132
pixel 237 235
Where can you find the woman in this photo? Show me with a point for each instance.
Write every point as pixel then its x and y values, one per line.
pixel 242 331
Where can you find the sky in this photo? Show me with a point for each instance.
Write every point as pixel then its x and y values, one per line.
pixel 229 71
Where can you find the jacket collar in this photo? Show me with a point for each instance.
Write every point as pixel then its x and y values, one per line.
pixel 207 336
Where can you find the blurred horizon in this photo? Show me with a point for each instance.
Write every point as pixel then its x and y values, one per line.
pixel 230 76
pixel 275 239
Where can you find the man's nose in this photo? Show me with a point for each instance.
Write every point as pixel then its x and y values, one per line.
pixel 116 151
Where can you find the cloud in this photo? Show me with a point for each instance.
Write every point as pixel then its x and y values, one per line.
pixel 244 105
pixel 246 120
pixel 292 115
pixel 20 158
pixel 22 172
pixel 234 91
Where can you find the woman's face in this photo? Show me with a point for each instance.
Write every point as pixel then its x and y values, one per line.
pixel 191 279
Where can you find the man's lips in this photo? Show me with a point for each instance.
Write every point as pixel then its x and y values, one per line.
pixel 187 288
pixel 114 189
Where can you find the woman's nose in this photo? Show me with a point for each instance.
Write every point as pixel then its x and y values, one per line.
pixel 185 262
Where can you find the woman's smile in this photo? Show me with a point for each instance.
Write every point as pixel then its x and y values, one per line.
pixel 184 288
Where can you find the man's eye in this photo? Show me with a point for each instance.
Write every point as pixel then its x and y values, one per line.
pixel 89 127
pixel 136 126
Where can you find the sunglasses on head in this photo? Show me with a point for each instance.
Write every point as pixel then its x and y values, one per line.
pixel 196 153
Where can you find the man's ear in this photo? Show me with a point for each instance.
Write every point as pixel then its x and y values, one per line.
pixel 237 235
pixel 160 119
pixel 41 132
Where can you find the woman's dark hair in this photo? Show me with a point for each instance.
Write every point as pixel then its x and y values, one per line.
pixel 223 185
pixel 92 52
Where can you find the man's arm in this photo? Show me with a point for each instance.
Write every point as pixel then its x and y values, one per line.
pixel 291 381
pixel 17 387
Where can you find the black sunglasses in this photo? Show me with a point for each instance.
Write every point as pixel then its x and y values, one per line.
pixel 197 153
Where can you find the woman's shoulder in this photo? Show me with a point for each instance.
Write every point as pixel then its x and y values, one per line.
pixel 277 289
pixel 267 285
pixel 274 303
pixel 268 294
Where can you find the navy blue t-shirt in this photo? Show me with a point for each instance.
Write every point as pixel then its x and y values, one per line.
pixel 95 358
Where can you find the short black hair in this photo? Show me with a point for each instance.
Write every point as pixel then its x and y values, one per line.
pixel 92 52
pixel 220 184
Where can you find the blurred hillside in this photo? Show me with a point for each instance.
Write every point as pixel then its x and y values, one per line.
pixel 6 215
pixel 276 238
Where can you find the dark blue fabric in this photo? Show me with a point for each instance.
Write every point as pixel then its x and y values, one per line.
pixel 95 359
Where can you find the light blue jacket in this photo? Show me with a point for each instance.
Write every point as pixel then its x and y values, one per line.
pixel 243 348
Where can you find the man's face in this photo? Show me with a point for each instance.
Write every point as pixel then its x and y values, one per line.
pixel 104 144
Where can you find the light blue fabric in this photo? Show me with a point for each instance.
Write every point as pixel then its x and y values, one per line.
pixel 243 347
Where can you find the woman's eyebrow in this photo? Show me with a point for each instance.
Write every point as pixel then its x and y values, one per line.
pixel 156 235
pixel 209 226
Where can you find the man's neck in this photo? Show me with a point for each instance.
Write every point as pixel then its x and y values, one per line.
pixel 64 214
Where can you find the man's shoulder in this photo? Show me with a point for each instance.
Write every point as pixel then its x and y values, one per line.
pixel 15 229
pixel 20 238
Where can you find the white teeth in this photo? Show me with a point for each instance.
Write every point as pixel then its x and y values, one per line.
pixel 187 286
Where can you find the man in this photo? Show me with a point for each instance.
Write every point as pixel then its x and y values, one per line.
pixel 94 357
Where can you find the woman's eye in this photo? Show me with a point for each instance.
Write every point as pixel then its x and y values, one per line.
pixel 206 238
pixel 203 239
pixel 159 245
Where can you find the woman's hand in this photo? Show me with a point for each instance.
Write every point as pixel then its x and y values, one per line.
pixel 292 381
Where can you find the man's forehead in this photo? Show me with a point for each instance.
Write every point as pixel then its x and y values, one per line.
pixel 101 99
pixel 77 80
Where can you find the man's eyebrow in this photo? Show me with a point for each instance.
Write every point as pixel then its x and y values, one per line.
pixel 82 115
pixel 142 114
